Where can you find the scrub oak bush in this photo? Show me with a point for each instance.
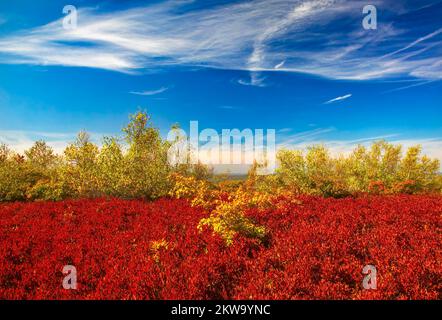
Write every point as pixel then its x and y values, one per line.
pixel 383 168
pixel 229 216
pixel 136 166
pixel 27 177
pixel 227 209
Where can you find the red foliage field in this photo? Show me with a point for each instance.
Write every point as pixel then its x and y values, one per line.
pixel 316 249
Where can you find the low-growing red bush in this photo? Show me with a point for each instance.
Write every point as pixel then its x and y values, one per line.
pixel 129 249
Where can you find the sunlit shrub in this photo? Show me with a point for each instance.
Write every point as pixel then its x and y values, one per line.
pixel 110 163
pixel 16 178
pixel 198 192
pixel 146 167
pixel 140 169
pixel 229 216
pixel 79 170
pixel 227 207
pixel 381 169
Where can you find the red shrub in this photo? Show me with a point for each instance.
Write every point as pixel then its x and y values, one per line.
pixel 317 250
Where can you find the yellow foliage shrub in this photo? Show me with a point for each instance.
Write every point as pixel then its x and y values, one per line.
pixel 188 187
pixel 156 247
pixel 228 218
pixel 227 207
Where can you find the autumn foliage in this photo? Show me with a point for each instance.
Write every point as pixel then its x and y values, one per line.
pixel 316 248
pixel 136 165
pixel 136 226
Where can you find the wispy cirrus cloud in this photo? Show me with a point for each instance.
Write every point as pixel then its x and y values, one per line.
pixel 279 65
pixel 256 80
pixel 340 98
pixel 228 107
pixel 150 92
pixel 414 43
pixel 301 137
pixel 255 36
pixel 417 84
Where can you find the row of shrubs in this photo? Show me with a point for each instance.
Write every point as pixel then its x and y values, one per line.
pixel 137 167
pixel 382 168
pixel 134 166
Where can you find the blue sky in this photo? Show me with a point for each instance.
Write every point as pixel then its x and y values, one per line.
pixel 305 68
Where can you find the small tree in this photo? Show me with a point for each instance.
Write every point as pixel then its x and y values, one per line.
pixel 4 153
pixel 319 169
pixel 291 171
pixel 40 155
pixel 16 175
pixel 146 164
pixel 110 167
pixel 80 169
pixel 421 170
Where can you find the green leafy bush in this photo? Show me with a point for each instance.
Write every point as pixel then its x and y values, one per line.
pixel 85 171
pixel 380 169
pixel 136 166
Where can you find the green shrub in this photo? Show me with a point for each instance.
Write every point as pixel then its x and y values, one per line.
pixel 380 169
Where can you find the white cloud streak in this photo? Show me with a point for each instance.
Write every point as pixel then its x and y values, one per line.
pixel 256 80
pixel 421 83
pixel 249 35
pixel 149 92
pixel 338 98
pixel 279 65
pixel 227 107
pixel 414 43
